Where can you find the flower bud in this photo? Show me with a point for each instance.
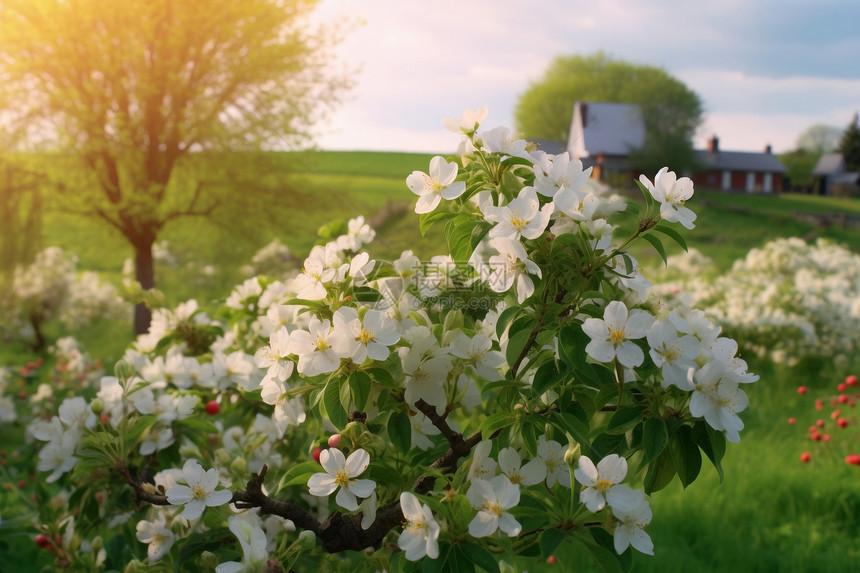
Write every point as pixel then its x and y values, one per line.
pixel 571 456
pixel 97 544
pixel 124 371
pixel 209 560
pixel 307 540
pixel 239 466
pixel 223 457
pixel 352 432
pixel 97 406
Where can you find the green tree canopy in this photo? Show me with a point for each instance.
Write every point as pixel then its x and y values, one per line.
pixel 849 145
pixel 127 91
pixel 672 112
pixel 819 139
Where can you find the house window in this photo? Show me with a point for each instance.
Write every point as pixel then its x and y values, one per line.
pixel 727 180
pixel 750 182
pixel 768 183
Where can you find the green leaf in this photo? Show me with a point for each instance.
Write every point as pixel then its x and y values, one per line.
pixel 655 242
pixel 545 378
pixel 197 543
pixel 505 318
pixel 624 418
pixel 366 294
pixel 359 387
pixel 685 455
pixel 518 337
pixel 333 408
pixel 139 426
pixel 655 436
pixel 550 539
pixel 660 473
pixel 713 443
pixel 426 220
pixel 400 431
pixel 607 541
pixel 572 426
pixel 382 377
pixel 458 233
pixel 440 563
pixel 495 422
pixel 199 424
pixel 479 556
pixel 604 558
pixel 299 474
pixel 672 234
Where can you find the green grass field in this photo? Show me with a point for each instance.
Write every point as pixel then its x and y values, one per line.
pixel 771 514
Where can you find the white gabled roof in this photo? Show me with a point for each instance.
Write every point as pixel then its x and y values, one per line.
pixel 605 128
pixel 829 164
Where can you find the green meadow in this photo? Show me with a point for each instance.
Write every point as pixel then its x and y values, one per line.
pixel 771 513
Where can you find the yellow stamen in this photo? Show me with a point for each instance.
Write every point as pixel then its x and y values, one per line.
pixel 366 336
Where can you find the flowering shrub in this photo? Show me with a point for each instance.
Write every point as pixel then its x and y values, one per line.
pixel 788 300
pixel 480 408
pixel 50 288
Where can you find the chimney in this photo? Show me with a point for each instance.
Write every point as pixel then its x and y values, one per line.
pixel 714 144
pixel 768 149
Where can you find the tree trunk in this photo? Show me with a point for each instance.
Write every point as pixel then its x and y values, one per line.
pixel 145 275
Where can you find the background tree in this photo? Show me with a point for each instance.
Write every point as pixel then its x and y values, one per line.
pixel 849 145
pixel 127 91
pixel 819 139
pixel 811 145
pixel 672 112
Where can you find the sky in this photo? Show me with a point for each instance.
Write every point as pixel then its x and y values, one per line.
pixel 766 70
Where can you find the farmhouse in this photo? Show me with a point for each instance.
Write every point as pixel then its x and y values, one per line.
pixel 602 135
pixel 832 178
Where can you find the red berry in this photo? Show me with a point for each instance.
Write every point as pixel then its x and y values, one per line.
pixel 834 414
pixel 805 457
pixel 843 398
pixel 42 540
pixel 842 387
pixel 813 429
pixel 826 437
pixel 791 420
pixel 550 560
pixel 816 436
pixel 22 484
pixel 317 452
pixel 851 381
pixel 818 404
pixel 820 423
pixel 22 395
pixel 212 407
pixel 39 362
pixel 105 419
pixel 842 423
pixel 853 459
pixel 334 441
pixel 801 390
